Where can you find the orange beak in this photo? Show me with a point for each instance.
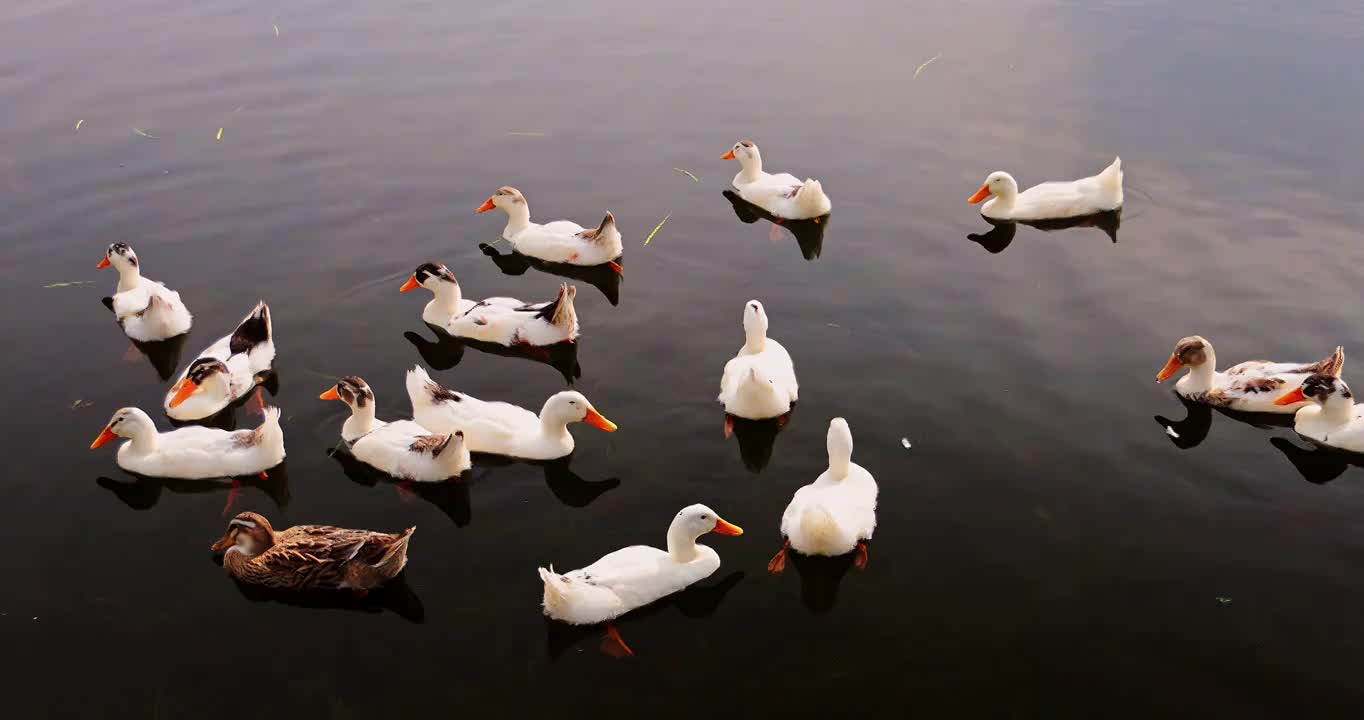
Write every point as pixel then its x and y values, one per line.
pixel 224 543
pixel 1292 397
pixel 183 390
pixel 726 528
pixel 486 206
pixel 331 394
pixel 729 155
pixel 599 421
pixel 106 435
pixel 103 263
pixel 1172 366
pixel 981 194
pixel 411 283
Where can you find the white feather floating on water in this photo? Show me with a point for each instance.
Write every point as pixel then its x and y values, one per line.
pixel 1171 432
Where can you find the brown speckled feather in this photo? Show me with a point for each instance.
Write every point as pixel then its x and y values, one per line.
pixel 322 557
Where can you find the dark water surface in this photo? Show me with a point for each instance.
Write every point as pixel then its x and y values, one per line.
pixel 1044 549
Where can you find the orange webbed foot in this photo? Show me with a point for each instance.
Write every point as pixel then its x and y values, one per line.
pixel 232 495
pixel 861 560
pixel 729 425
pixel 778 561
pixel 613 645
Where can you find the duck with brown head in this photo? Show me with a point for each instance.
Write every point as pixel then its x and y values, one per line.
pixel 1251 386
pixel 226 370
pixel 403 449
pixel 148 310
pixel 310 557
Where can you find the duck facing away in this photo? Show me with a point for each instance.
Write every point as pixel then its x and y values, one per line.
pixel 1050 200
pixel 501 428
pixel 635 576
pixel 1251 386
pixel 760 381
pixel 781 194
pixel 226 370
pixel 561 241
pixel 147 310
pixel 194 452
pixel 310 557
pixel 404 449
pixel 835 514
pixel 449 302
pixel 1331 416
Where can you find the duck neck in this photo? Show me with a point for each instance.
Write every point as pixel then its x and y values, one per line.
pixel 1338 410
pixel 128 277
pixel 755 339
pixel 840 461
pixel 553 426
pixel 518 218
pixel 681 543
pixel 1200 377
pixel 360 422
pixel 144 441
pixel 447 298
pixel 751 168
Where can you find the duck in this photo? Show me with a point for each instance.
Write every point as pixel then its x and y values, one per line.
pixel 782 194
pixel 1050 200
pixel 536 325
pixel 835 514
pixel 1330 417
pixel 760 381
pixel 449 302
pixel 194 452
pixel 561 241
pixel 500 428
pixel 636 576
pixel 226 370
pixel 147 310
pixel 1251 386
pixel 404 449
pixel 310 557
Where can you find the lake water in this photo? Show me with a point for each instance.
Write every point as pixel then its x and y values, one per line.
pixel 1045 549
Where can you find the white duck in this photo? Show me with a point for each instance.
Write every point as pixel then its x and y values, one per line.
pixel 1251 386
pixel 1050 200
pixel 835 514
pixel 760 381
pixel 403 449
pixel 194 452
pixel 148 310
pixel 501 428
pixel 781 194
pixel 537 325
pixel 635 576
pixel 561 241
pixel 449 302
pixel 1331 417
pixel 226 370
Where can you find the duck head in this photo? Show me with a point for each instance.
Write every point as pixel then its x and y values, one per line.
pixel 1193 352
pixel 248 533
pixel 124 260
pixel 206 375
pixel 129 422
pixel 570 407
pixel 1325 390
pixel 746 152
pixel 355 393
pixel 507 198
pixel 999 184
pixel 755 325
pixel 433 276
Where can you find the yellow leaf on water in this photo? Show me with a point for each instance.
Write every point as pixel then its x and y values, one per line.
pixel 220 133
pixel 79 123
pixel 688 174
pixel 276 27
pixel 656 227
pixel 926 64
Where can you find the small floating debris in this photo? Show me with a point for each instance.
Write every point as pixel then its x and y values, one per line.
pixel 527 133
pixel 1171 432
pixel 79 123
pixel 78 404
pixel 220 134
pixel 67 284
pixel 144 133
pixel 926 64
pixel 1223 601
pixel 688 174
pixel 904 442
pixel 276 27
pixel 656 227
pixel 239 109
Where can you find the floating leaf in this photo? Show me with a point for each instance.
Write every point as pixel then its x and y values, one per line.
pixel 78 404
pixel 656 227
pixel 684 172
pixel 68 284
pixel 239 109
pixel 904 442
pixel 79 123
pixel 1223 600
pixel 926 64
pixel 527 133
pixel 276 27
pixel 144 133
pixel 220 134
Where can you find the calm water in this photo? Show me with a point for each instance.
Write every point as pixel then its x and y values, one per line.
pixel 1044 549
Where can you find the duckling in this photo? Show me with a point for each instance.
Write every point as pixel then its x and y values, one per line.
pixel 403 449
pixel 310 557
pixel 835 514
pixel 147 310
pixel 561 241
pixel 537 325
pixel 780 194
pixel 449 302
pixel 1331 416
pixel 226 370
pixel 1249 387
pixel 194 452
pixel 760 381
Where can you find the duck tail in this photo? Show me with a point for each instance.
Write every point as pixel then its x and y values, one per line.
pixel 812 200
pixel 419 383
pixel 453 454
pixel 821 533
pixel 394 558
pixel 269 433
pixel 565 315
pixel 607 225
pixel 1112 175
pixel 1332 364
pixel 556 592
pixel 254 330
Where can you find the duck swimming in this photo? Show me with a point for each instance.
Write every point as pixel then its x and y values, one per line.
pixel 560 241
pixel 1251 386
pixel 781 194
pixel 226 370
pixel 835 514
pixel 449 302
pixel 310 557
pixel 1050 200
pixel 148 310
pixel 194 452
pixel 760 381
pixel 403 449
pixel 1331 417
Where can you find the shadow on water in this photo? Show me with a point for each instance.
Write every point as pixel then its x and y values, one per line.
pixel 142 493
pixel 757 438
pixel 1002 233
pixel 446 351
pixel 451 497
pixel 601 277
pixel 819 578
pixel 395 596
pixel 567 486
pixel 696 602
pixel 164 355
pixel 809 234
pixel 1193 429
pixel 1317 464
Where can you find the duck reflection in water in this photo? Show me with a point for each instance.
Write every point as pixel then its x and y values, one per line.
pixel 602 277
pixel 143 493
pixel 757 438
pixel 1002 233
pixel 1317 464
pixel 696 602
pixel 395 596
pixel 1193 429
pixel 164 355
pixel 809 234
pixel 446 351
pixel 820 578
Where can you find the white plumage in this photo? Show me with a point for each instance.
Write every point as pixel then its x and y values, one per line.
pixel 1051 200
pixel 403 449
pixel 760 381
pixel 782 194
pixel 836 511
pixel 1251 386
pixel 194 453
pixel 147 310
pixel 561 241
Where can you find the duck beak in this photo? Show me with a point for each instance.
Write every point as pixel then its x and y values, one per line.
pixel 1292 397
pixel 1172 366
pixel 729 155
pixel 103 263
pixel 106 435
pixel 182 390
pixel 223 543
pixel 599 421
pixel 331 394
pixel 412 283
pixel 486 206
pixel 981 194
pixel 726 528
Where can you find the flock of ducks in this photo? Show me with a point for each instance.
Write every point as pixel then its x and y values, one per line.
pixel 834 515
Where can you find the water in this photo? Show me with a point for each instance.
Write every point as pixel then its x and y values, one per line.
pixel 1045 549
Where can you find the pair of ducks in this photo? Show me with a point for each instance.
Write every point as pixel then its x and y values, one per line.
pixel 1323 406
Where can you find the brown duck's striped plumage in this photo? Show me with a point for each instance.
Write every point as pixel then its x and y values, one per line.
pixel 308 557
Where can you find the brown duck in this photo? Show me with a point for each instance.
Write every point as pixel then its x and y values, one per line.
pixel 310 557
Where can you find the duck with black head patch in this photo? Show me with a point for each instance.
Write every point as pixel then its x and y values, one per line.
pixel 147 310
pixel 310 557
pixel 403 449
pixel 1330 416
pixel 499 320
pixel 782 194
pixel 449 301
pixel 561 241
pixel 226 370
pixel 1252 386
pixel 194 452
